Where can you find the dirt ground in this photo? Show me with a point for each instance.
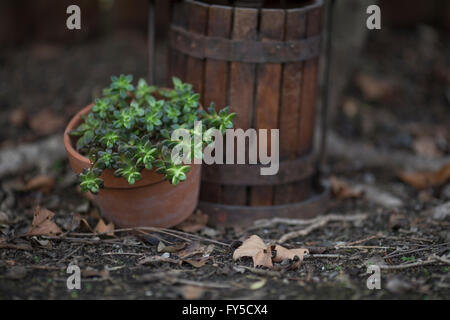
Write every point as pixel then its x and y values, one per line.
pixel 398 100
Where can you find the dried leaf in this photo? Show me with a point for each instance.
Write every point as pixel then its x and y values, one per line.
pixel 196 263
pixel 373 88
pixel 16 273
pixel 42 224
pixel 192 292
pixel 426 146
pixel 156 259
pixel 93 273
pixel 192 249
pixel 103 228
pixel 423 180
pixel 283 253
pixel 194 223
pixel 46 122
pixel 255 248
pixel 171 249
pixel 4 218
pixel 397 221
pixel 18 117
pixel 43 183
pixel 22 246
pixel 262 254
pixel 258 284
pixel 342 190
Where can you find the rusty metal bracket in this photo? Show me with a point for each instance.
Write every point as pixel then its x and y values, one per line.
pixel 207 47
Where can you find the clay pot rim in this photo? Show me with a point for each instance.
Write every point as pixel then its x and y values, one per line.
pixel 70 126
pixel 111 182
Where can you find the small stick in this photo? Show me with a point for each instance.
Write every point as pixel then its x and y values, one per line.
pixel 262 272
pixel 324 256
pixel 320 222
pixel 212 285
pixel 363 247
pixel 431 259
pixel 376 236
pixel 173 233
pixel 122 253
pixel 264 223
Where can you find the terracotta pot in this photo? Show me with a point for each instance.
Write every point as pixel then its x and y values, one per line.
pixel 150 202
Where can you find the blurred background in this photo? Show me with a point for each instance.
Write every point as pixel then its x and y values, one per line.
pixel 400 72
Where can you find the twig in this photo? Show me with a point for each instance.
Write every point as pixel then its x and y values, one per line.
pixel 212 285
pixel 70 254
pixel 174 233
pixel 376 236
pixel 400 253
pixel 262 272
pixel 122 254
pixel 431 259
pixel 320 222
pixel 362 247
pixel 325 256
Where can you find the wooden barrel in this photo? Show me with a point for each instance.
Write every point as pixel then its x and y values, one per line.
pixel 263 63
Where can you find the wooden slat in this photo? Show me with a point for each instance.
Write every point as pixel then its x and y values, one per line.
pixel 216 71
pixel 215 85
pixel 268 94
pixel 177 59
pixel 308 102
pixel 309 87
pixel 198 21
pixel 242 79
pixel 290 104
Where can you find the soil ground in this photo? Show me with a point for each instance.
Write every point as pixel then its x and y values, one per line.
pixel 413 63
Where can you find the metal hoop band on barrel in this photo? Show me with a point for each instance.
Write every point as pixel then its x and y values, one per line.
pixel 248 51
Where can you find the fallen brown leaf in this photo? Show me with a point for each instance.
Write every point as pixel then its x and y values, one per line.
pixel 195 248
pixel 46 122
pixel 16 273
pixel 342 190
pixel 43 183
pixel 373 88
pixel 171 249
pixel 15 246
pixel 4 218
pixel 18 117
pixel 196 222
pixel 103 228
pixel 423 180
pixel 397 221
pixel 255 248
pixel 197 263
pixel 265 255
pixel 426 146
pixel 283 253
pixel 42 224
pixel 156 259
pixel 192 292
pixel 93 273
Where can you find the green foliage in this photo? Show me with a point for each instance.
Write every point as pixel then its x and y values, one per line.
pixel 90 181
pixel 408 259
pixel 129 130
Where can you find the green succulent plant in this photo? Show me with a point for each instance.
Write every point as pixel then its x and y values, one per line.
pixel 129 130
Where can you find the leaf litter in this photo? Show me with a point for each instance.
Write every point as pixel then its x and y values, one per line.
pixel 265 255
